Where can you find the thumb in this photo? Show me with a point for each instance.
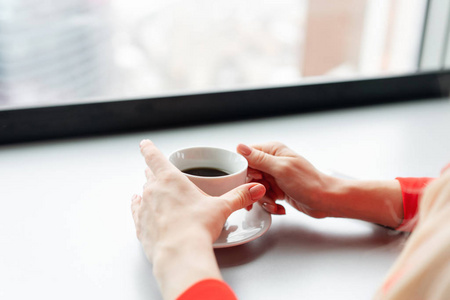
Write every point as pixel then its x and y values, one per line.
pixel 257 159
pixel 244 195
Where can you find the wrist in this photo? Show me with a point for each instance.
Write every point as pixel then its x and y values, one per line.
pixel 178 263
pixel 376 201
pixel 318 197
pixel 332 191
pixel 176 247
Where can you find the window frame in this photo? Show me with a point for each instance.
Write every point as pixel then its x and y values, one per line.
pixel 435 47
pixel 89 119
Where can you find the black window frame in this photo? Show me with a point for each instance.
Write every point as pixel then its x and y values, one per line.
pixel 131 115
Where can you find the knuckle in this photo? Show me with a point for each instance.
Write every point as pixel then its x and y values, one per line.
pixel 278 144
pixel 147 189
pixel 283 167
pixel 260 158
pixel 166 178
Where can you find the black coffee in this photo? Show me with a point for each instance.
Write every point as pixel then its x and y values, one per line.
pixel 206 172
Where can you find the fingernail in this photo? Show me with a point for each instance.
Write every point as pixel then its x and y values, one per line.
pixel 280 210
pixel 143 141
pixel 257 191
pixel 245 150
pixel 271 208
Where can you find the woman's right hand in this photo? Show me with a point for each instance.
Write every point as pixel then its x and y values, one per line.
pixel 288 176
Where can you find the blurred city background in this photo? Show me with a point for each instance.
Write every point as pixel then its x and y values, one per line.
pixel 58 52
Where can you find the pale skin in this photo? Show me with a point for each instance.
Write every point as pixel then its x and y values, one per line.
pixel 290 177
pixel 172 211
pixel 177 223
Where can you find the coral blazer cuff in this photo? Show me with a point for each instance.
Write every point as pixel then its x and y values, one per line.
pixel 208 289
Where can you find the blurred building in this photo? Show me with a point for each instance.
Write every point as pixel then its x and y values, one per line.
pixel 362 37
pixel 52 51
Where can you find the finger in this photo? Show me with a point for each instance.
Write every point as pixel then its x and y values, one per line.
pixel 280 210
pixel 269 191
pixel 272 195
pixel 154 158
pixel 265 183
pixel 277 191
pixel 271 206
pixel 275 149
pixel 135 204
pixel 268 204
pixel 149 174
pixel 258 159
pixel 253 174
pixel 244 195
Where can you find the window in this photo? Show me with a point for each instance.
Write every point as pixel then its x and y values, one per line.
pixel 59 53
pixel 55 52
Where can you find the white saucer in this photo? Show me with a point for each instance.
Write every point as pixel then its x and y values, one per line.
pixel 244 226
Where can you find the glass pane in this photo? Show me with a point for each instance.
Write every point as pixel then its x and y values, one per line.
pixel 59 52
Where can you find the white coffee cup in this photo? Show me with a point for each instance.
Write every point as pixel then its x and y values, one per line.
pixel 233 164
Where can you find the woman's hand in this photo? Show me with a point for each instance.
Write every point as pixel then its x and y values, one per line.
pixel 287 176
pixel 177 223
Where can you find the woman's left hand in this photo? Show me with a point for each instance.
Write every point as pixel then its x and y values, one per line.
pixel 177 222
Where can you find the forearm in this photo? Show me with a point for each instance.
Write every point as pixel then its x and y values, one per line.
pixel 178 265
pixel 378 202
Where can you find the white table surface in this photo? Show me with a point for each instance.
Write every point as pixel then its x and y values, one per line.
pixel 66 230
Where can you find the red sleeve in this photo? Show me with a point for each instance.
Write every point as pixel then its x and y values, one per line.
pixel 412 189
pixel 208 289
